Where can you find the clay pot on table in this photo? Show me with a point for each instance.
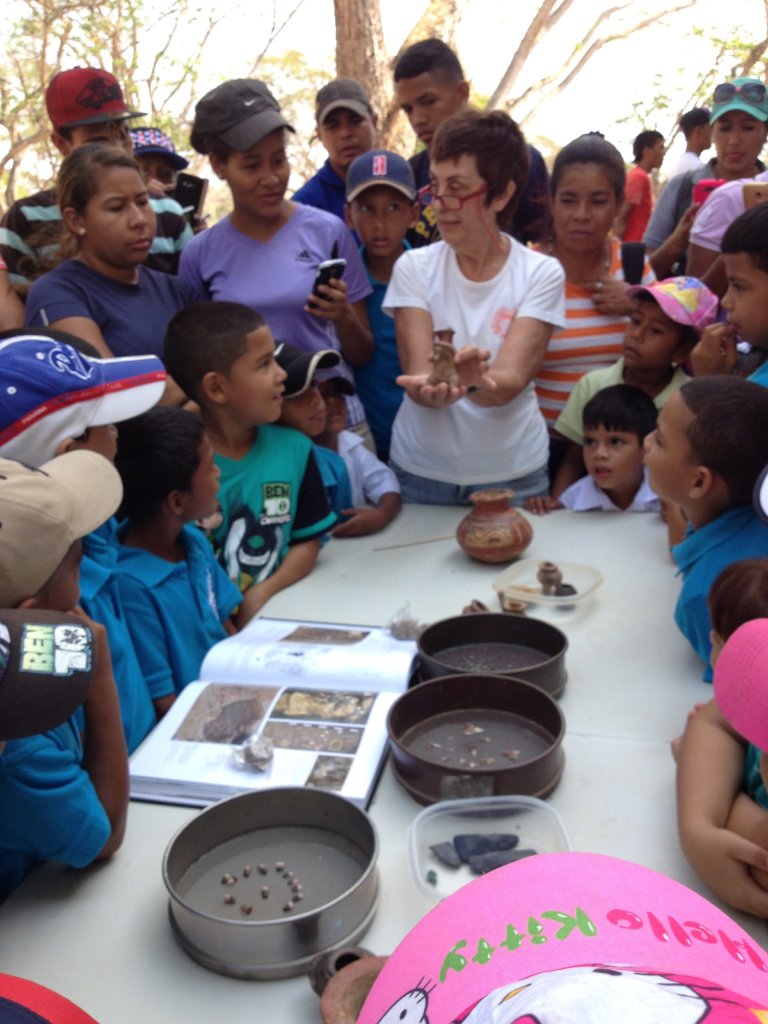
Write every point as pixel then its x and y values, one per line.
pixel 494 531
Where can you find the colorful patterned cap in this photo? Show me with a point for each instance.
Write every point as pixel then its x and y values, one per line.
pixel 576 937
pixel 686 300
pixel 46 663
pixel 49 391
pixel 154 140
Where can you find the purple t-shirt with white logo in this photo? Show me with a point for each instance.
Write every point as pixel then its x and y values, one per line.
pixel 275 277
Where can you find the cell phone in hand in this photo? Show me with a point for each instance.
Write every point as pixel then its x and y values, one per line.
pixel 702 188
pixel 190 193
pixel 754 192
pixel 328 271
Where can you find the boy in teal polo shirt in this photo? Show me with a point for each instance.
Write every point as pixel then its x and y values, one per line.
pixel 273 504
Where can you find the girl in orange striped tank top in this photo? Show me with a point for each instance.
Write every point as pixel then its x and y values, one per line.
pixel 587 189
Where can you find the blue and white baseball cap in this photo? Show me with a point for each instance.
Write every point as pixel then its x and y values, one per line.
pixel 50 391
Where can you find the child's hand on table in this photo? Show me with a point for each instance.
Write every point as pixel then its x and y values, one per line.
pixel 542 504
pixel 359 522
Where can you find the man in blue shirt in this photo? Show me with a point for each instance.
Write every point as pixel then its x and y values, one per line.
pixel 346 126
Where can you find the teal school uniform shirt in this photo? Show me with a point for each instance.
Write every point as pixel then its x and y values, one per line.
pixel 100 597
pixel 49 809
pixel 700 557
pixel 271 498
pixel 175 609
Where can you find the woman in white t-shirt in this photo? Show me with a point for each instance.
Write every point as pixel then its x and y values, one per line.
pixel 502 302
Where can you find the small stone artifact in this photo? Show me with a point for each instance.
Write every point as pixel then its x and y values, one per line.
pixel 484 862
pixel 494 531
pixel 443 360
pixel 446 852
pixel 549 576
pixel 473 845
pixel 255 753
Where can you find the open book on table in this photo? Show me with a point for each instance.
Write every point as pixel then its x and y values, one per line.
pixel 281 703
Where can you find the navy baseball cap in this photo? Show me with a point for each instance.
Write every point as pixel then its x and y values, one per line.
pixel 380 167
pixel 49 391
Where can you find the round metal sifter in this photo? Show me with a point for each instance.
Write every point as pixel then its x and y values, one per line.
pixel 263 882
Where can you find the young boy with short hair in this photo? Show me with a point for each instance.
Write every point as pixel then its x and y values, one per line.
pixel 60 396
pixel 60 798
pixel 381 207
pixel 375 488
pixel 274 509
pixel 346 126
pixel 304 410
pixel 665 325
pixel 706 455
pixel 745 256
pixel 157 157
pixel 615 423
pixel 177 598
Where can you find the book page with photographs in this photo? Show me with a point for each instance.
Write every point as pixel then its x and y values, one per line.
pixel 314 653
pixel 219 739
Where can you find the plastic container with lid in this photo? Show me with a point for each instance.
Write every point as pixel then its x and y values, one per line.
pixel 536 823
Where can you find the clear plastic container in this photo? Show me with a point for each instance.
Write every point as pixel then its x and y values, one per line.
pixel 520 583
pixel 537 824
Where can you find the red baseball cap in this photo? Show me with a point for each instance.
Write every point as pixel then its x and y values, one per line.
pixel 85 96
pixel 26 1002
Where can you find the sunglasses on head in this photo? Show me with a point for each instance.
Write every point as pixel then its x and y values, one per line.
pixel 751 92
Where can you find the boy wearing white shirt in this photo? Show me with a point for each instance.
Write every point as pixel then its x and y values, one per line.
pixel 615 421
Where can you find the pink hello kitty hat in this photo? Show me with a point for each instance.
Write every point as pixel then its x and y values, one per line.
pixel 572 937
pixel 741 681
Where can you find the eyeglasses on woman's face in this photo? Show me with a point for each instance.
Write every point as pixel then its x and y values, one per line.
pixel 428 197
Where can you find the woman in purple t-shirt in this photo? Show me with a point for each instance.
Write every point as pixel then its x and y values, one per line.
pixel 266 252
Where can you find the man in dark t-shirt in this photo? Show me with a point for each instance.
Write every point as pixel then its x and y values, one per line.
pixel 430 86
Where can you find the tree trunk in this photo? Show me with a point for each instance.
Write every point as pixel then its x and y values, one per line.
pixel 360 52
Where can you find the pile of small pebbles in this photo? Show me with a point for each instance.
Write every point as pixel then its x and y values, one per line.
pixel 294 894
